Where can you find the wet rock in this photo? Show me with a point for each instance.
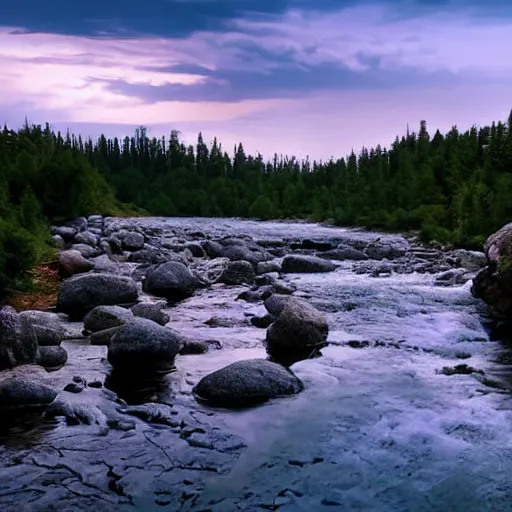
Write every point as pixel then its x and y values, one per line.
pixel 74 387
pixel 276 303
pixel 246 383
pixel 217 321
pixel 143 346
pixel 470 260
pixel 262 322
pixel 103 337
pixel 379 251
pixel 343 253
pixel 212 249
pixel 67 233
pixel 194 347
pixel 196 250
pixel 152 413
pixel 299 330
pixel 97 384
pixel 19 392
pixel 265 267
pixel 312 245
pixel 250 296
pixel 47 336
pixel 47 327
pixel 51 358
pixel 151 311
pixel 238 272
pixel 282 288
pixel 493 284
pixel 172 280
pixel 295 263
pixel 79 294
pixel 58 242
pixel 18 343
pixel 147 256
pixel 87 238
pixel 131 240
pixel 76 413
pixel 87 251
pixel 451 278
pixel 103 264
pixel 460 369
pixel 106 317
pixel 72 262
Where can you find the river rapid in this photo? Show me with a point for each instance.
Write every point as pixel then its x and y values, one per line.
pixel 378 428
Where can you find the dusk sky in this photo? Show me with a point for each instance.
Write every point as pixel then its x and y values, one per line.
pixel 315 77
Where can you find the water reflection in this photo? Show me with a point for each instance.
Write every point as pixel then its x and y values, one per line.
pixel 136 389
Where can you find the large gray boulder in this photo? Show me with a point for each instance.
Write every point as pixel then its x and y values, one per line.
pixel 79 294
pixel 21 392
pixel 105 317
pixel 246 383
pixel 72 262
pixel 172 280
pixel 151 311
pixel 18 343
pixel 299 330
pixel 238 272
pixel 493 284
pixel 297 263
pixel 143 346
pixel 47 327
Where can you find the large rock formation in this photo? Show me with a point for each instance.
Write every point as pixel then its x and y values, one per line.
pixel 493 284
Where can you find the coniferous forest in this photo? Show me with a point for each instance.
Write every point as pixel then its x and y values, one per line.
pixel 453 188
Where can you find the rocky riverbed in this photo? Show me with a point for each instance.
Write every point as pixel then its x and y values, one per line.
pixel 387 390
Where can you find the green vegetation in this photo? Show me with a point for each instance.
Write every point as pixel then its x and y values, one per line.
pixel 451 188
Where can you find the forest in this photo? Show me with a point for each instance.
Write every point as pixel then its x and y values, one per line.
pixel 452 188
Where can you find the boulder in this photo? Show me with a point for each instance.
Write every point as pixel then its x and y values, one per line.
pixel 87 251
pixel 343 253
pixel 380 250
pixel 18 343
pixel 470 260
pixel 295 263
pixel 143 346
pixel 265 267
pixel 67 233
pixel 79 294
pixel 103 337
pixel 87 238
pixel 51 358
pixel 20 392
pixel 105 317
pixel 493 284
pixel 151 311
pixel 58 242
pixel 196 250
pixel 47 327
pixel 247 383
pixel 237 272
pixel 172 280
pixel 276 303
pixel 131 240
pixel 298 330
pixel 72 262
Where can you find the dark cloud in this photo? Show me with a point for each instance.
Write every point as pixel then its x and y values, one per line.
pixel 287 81
pixel 179 18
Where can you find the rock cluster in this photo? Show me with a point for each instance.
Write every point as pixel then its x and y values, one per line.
pixel 119 278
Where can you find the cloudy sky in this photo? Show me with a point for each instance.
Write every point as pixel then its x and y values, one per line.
pixel 315 77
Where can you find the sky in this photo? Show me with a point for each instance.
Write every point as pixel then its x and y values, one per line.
pixel 296 77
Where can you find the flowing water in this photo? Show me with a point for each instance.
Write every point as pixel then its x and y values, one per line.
pixel 377 428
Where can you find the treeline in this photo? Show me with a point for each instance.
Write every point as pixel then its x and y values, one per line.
pixel 43 179
pixel 453 188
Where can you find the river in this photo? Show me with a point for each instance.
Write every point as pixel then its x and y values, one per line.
pixel 378 427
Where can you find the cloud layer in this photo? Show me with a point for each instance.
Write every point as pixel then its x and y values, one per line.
pixel 244 70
